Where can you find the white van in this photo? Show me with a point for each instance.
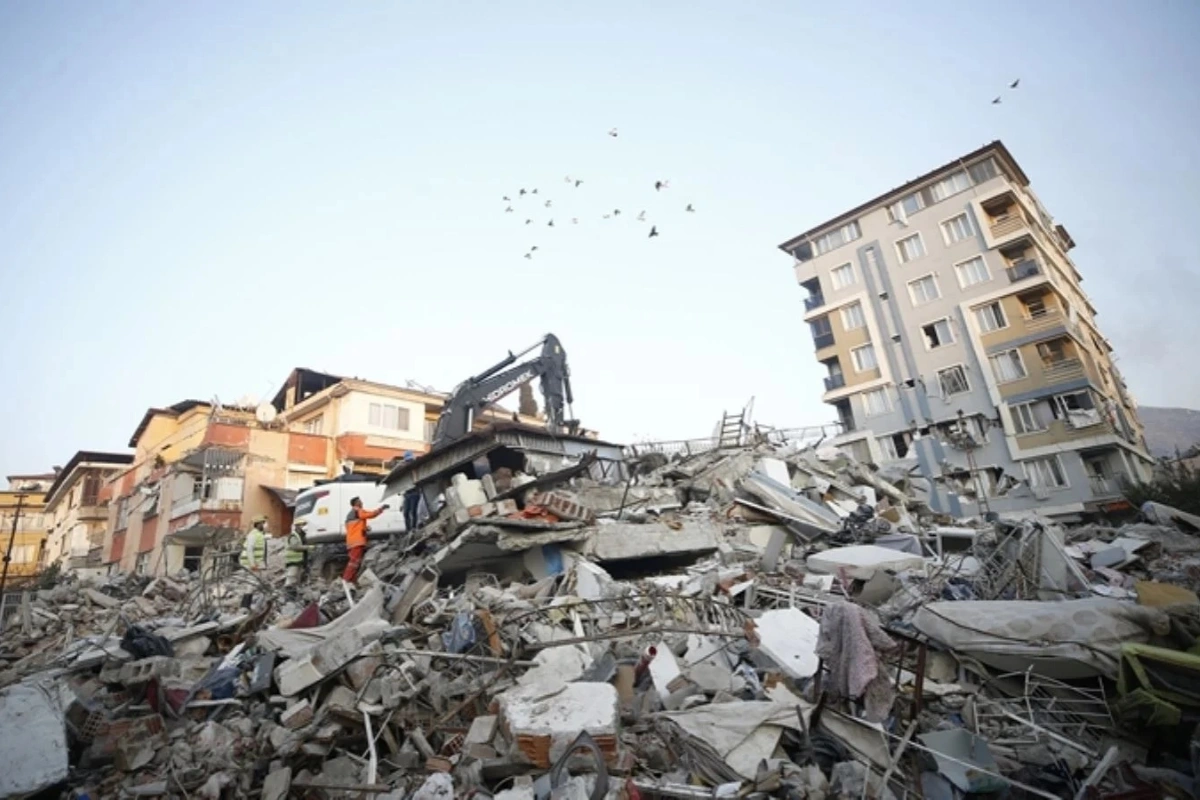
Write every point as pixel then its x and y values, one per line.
pixel 324 508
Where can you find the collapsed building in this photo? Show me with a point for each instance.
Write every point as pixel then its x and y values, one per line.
pixel 767 618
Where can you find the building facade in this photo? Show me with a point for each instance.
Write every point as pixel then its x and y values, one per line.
pixel 956 336
pixel 23 526
pixel 76 514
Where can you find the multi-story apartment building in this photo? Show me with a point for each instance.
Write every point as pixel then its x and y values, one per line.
pixel 955 333
pixel 76 514
pixel 23 526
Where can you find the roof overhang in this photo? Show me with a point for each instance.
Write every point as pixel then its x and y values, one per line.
pixel 84 459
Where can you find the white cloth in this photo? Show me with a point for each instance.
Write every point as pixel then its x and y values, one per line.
pixel 848 643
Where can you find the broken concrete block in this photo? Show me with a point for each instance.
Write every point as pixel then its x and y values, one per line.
pixel 623 541
pixel 277 784
pixel 33 741
pixel 438 786
pixel 297 716
pixel 319 662
pixel 146 669
pixel 101 599
pixel 543 727
pixel 343 701
pixel 788 637
pixel 506 507
pixel 362 669
pixel 489 486
pixel 862 561
pixel 482 731
pixel 564 505
pixel 470 493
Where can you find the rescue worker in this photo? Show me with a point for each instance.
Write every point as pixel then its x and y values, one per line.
pixel 412 502
pixel 295 554
pixel 356 536
pixel 254 549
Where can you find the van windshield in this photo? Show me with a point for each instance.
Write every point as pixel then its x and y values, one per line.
pixel 306 504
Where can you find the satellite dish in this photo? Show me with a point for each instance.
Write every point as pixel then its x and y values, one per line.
pixel 265 413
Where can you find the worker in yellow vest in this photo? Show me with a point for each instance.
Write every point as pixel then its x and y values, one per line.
pixel 254 549
pixel 294 555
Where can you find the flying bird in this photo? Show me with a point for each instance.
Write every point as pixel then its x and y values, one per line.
pixel 533 249
pixel 528 222
pixel 616 212
pixel 508 210
pixel 529 256
pixel 550 224
pixel 608 216
pixel 1014 84
pixel 996 102
pixel 568 179
pixel 613 133
pixel 522 193
pixel 547 204
pixel 574 220
pixel 653 232
pixel 534 191
pixel 660 185
pixel 506 199
pixel 642 217
pixel 689 209
pixel 577 183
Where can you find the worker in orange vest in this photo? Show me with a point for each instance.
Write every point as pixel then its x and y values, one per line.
pixel 356 536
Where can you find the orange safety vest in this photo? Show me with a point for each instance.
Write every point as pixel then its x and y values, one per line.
pixel 356 526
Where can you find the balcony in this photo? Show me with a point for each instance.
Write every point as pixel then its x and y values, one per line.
pixel 813 302
pixel 834 382
pixel 1103 487
pixel 1023 270
pixel 823 340
pixel 92 511
pixel 1064 369
pixel 1007 225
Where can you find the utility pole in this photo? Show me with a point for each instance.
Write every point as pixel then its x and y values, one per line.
pixel 12 538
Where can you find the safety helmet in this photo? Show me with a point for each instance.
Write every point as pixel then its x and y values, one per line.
pixel 260 519
pixel 300 524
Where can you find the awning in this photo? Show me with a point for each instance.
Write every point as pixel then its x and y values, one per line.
pixel 285 496
pixel 203 536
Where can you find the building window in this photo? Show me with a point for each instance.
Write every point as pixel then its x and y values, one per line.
pixel 842 276
pixel 983 171
pixel 91 490
pixel 923 290
pixel 938 334
pixel 24 554
pixel 971 272
pixel 836 238
pixel 910 248
pixel 902 208
pixel 1035 305
pixel 1045 473
pixel 956 229
pixel 1076 409
pixel 958 182
pixel 853 317
pixel 430 429
pixel 1053 352
pixel 316 425
pixel 142 565
pixel 1026 419
pixel 991 317
pixel 384 415
pixel 122 513
pixel 1008 366
pixel 864 358
pixel 953 380
pixel 876 402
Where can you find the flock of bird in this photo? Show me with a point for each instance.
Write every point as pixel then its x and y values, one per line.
pixel 1012 85
pixel 525 199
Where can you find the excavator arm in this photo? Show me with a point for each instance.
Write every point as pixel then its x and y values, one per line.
pixel 476 393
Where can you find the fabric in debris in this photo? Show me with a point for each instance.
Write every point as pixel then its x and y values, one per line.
pixel 141 643
pixel 461 636
pixel 848 643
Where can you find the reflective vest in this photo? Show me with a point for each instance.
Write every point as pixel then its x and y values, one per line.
pixel 254 550
pixel 293 556
pixel 356 526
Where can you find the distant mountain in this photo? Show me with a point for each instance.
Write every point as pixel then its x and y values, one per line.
pixel 1168 429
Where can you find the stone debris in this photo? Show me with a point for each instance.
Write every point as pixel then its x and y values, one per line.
pixel 751 621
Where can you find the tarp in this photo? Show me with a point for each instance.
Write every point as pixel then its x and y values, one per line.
pixel 1067 639
pixel 285 496
pixel 294 642
pixel 741 733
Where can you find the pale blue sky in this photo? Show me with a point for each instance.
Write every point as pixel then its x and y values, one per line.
pixel 197 197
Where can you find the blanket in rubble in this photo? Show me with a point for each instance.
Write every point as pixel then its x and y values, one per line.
pixel 849 643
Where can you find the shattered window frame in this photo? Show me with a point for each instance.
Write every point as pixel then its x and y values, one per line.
pixel 1025 418
pixel 943 341
pixel 1054 471
pixel 950 378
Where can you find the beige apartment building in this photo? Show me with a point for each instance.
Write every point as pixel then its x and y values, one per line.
pixel 956 336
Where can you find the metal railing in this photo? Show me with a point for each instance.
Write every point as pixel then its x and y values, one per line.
pixel 1103 487
pixel 834 382
pixel 689 447
pixel 813 302
pixel 1010 223
pixel 1063 369
pixel 821 341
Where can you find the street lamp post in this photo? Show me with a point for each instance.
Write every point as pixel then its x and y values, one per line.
pixel 12 538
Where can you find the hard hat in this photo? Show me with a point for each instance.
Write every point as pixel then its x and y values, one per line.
pixel 300 523
pixel 260 518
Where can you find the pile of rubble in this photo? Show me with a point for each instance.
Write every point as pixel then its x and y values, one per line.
pixel 755 621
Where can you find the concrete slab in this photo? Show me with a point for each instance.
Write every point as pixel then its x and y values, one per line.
pixel 788 637
pixel 531 716
pixel 33 745
pixel 621 541
pixel 862 561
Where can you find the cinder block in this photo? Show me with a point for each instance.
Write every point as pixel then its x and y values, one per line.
pixel 483 730
pixel 506 507
pixel 297 716
pixel 564 506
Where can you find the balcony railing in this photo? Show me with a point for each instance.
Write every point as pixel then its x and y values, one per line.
pixel 1024 269
pixel 834 382
pixel 813 301
pixel 1008 224
pixel 823 340
pixel 1103 487
pixel 1062 370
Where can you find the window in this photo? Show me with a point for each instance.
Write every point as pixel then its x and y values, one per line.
pixel 1035 305
pixel 430 429
pixel 958 182
pixel 384 415
pixel 91 490
pixel 972 272
pixel 1045 473
pixel 864 358
pixel 953 380
pixel 923 290
pixel 123 513
pixel 888 446
pixel 1026 419
pixel 24 554
pixel 902 208
pixel 853 317
pixel 1053 352
pixel 910 248
pixel 842 276
pixel 142 566
pixel 937 334
pixel 821 331
pixel 1008 366
pixel 875 402
pixel 983 171
pixel 315 425
pixel 956 229
pixel 836 238
pixel 1076 409
pixel 991 317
